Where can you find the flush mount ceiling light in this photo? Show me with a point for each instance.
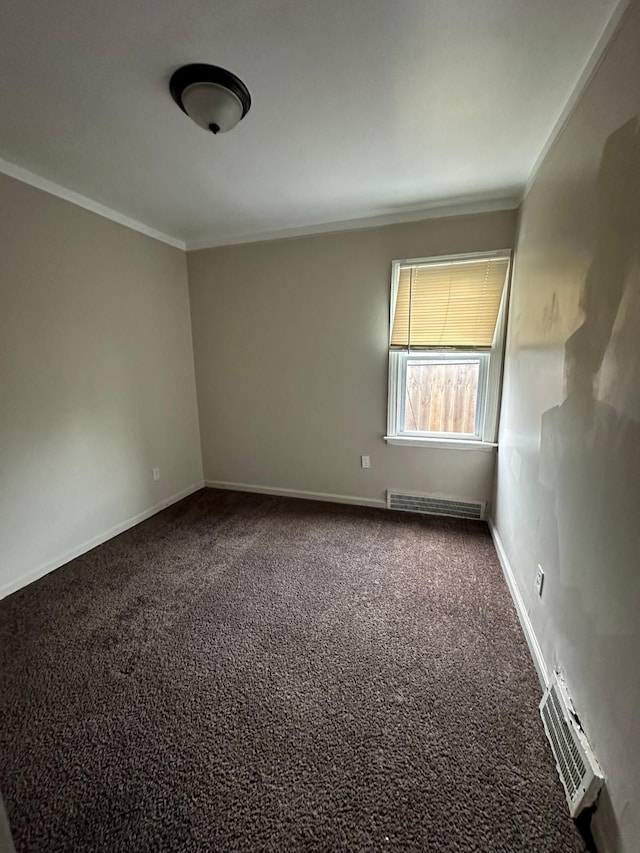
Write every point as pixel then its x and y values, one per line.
pixel 214 98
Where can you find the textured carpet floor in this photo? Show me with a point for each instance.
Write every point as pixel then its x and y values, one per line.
pixel 253 673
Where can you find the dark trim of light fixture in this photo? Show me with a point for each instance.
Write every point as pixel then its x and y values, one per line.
pixel 198 72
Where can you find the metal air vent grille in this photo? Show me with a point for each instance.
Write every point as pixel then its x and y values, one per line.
pixel 577 767
pixel 434 505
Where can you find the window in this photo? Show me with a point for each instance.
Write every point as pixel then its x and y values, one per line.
pixel 445 349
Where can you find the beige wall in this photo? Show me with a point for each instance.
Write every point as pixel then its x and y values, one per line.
pixel 290 343
pixel 291 348
pixel 568 491
pixel 96 379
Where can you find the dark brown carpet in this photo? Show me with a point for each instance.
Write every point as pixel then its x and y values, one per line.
pixel 252 673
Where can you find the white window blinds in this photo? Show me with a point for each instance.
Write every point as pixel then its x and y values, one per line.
pixel 448 304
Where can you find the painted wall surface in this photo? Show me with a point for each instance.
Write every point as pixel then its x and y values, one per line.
pixel 96 378
pixel 291 348
pixel 568 484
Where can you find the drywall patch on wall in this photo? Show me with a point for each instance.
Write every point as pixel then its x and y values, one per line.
pixel 571 410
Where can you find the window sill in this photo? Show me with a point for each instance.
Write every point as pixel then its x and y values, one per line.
pixel 441 443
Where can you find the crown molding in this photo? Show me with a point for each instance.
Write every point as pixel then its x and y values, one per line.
pixel 454 207
pixel 441 209
pixel 44 184
pixel 586 75
pixel 438 210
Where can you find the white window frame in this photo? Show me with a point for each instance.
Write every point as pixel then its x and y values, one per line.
pixel 442 357
pixel 489 381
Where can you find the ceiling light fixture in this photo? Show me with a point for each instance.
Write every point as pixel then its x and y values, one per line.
pixel 214 98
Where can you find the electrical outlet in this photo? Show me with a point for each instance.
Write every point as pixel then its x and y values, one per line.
pixel 365 461
pixel 539 579
pixel 156 473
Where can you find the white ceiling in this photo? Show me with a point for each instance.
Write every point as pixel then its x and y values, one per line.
pixel 361 108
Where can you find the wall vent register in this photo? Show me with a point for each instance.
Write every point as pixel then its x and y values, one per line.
pixel 577 767
pixel 435 505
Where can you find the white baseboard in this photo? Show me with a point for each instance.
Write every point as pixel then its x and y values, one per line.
pixel 523 616
pixel 296 493
pixel 24 580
